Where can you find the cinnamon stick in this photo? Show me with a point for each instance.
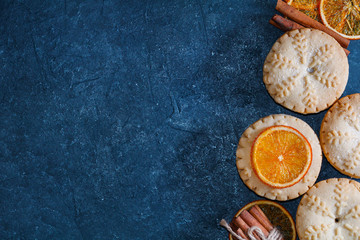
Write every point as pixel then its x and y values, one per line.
pixel 262 218
pixel 238 230
pixel 251 221
pixel 232 225
pixel 257 213
pixel 307 21
pixel 239 222
pixel 229 228
pixel 241 233
pixel 285 25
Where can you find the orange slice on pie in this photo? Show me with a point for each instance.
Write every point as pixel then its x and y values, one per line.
pixel 309 7
pixel 342 16
pixel 281 156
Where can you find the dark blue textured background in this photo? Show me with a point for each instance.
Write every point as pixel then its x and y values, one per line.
pixel 120 119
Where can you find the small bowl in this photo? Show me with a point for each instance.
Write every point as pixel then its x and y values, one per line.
pixel 274 207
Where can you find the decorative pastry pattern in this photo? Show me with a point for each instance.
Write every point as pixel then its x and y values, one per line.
pixel 281 121
pixel 315 232
pixel 328 79
pixel 341 196
pixel 275 192
pixel 306 179
pixel 344 108
pixel 284 89
pixel 301 64
pixel 353 213
pixel 338 235
pixel 282 62
pixel 301 46
pixel 327 211
pixel 338 137
pixel 319 206
pixel 310 98
pixel 247 172
pixel 354 158
pixel 322 56
pixel 349 115
pixel 354 231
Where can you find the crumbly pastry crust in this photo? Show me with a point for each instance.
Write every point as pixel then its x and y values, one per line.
pixel 243 159
pixel 306 71
pixel 330 210
pixel 340 135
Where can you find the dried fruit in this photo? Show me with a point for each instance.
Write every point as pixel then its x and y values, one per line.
pixel 281 156
pixel 342 16
pixel 309 7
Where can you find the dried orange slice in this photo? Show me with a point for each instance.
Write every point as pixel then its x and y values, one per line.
pixel 342 16
pixel 309 7
pixel 278 216
pixel 281 156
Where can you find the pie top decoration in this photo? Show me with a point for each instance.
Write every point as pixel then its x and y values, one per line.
pixel 306 71
pixel 265 186
pixel 330 210
pixel 340 135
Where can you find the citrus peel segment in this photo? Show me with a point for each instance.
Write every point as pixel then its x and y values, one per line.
pixel 309 7
pixel 342 16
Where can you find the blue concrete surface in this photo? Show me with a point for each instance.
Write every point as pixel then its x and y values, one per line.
pixel 120 119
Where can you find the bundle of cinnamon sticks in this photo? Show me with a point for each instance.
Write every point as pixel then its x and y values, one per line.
pixel 296 20
pixel 247 219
